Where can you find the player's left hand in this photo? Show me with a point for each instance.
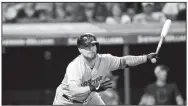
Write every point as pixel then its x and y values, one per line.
pixel 152 55
pixel 101 86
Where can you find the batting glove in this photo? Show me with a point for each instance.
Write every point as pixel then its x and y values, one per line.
pixel 152 55
pixel 101 86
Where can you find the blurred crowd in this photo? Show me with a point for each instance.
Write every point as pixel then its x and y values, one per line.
pixel 110 13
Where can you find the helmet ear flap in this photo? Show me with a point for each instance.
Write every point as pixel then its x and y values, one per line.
pixel 98 47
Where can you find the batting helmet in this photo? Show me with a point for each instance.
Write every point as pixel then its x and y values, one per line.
pixel 86 40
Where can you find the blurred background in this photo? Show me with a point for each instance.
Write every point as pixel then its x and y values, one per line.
pixel 115 13
pixel 39 41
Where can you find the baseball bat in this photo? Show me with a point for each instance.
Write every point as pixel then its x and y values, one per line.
pixel 164 32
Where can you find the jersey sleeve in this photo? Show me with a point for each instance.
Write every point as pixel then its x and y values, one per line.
pixel 73 75
pixel 113 62
pixel 74 80
pixel 176 90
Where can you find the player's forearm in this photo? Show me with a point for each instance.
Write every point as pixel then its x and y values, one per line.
pixel 132 60
pixel 78 91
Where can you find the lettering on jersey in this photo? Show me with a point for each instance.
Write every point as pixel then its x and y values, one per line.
pixel 88 82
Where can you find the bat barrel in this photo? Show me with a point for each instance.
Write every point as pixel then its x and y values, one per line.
pixel 163 34
pixel 166 27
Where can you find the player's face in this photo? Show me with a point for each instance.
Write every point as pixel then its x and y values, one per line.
pixel 89 52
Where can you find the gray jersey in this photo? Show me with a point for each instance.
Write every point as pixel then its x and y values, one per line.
pixel 80 74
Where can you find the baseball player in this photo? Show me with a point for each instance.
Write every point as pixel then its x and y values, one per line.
pixel 87 74
pixel 164 93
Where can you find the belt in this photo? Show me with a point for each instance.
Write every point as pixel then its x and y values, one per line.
pixel 74 101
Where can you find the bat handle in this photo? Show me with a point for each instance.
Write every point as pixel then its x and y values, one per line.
pixel 157 51
pixel 159 45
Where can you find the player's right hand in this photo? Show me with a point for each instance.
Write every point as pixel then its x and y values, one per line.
pixel 101 86
pixel 152 55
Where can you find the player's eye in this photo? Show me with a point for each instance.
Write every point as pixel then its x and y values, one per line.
pixel 93 44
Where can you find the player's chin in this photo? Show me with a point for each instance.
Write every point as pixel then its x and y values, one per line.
pixel 91 56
